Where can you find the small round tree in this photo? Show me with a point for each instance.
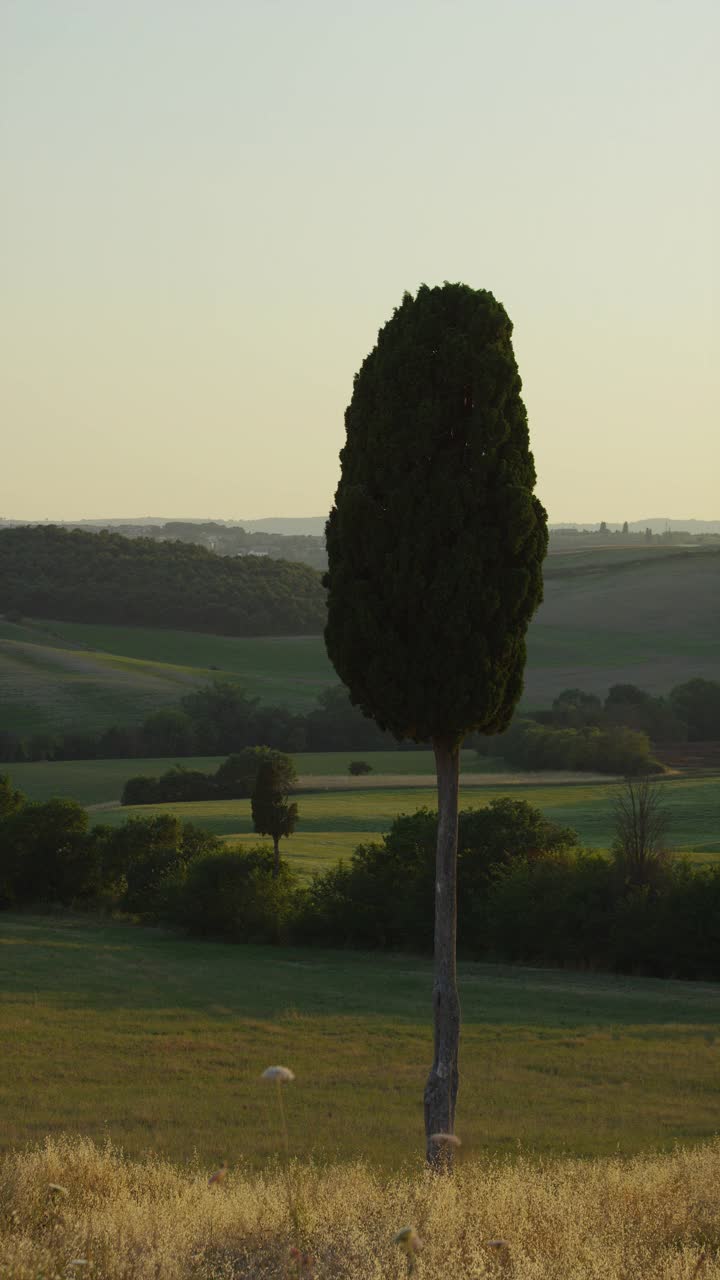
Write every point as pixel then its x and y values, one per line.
pixel 435 549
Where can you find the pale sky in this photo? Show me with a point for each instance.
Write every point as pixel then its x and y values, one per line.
pixel 209 208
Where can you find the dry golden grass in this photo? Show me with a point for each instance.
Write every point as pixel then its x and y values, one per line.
pixel 70 1208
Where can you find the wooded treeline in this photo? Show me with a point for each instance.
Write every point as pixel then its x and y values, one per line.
pixel 216 720
pixel 579 731
pixel 50 572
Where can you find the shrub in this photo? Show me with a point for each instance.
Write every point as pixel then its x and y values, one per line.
pixel 145 861
pixel 554 910
pixel 359 767
pixel 141 789
pixel 233 894
pixel 47 854
pixel 385 896
pixel 530 745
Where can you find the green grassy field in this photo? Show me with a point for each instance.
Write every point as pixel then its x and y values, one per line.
pixel 158 1043
pixel 693 804
pixel 53 674
pixel 608 617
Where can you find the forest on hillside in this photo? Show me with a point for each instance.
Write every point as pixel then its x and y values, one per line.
pixel 47 571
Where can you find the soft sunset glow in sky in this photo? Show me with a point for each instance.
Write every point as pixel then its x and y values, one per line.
pixel 209 209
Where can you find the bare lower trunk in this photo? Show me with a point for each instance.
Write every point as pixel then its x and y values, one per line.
pixel 276 864
pixel 442 1084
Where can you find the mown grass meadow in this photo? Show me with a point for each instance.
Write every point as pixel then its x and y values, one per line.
pixel 157 1042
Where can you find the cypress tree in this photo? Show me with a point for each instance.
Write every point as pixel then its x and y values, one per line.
pixel 435 549
pixel 273 814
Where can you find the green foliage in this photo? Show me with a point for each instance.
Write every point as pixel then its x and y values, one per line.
pixel 217 712
pixel 47 854
pixel 384 897
pixel 273 814
pixel 435 542
pixel 357 768
pixel 529 745
pixel 170 731
pixel 234 779
pixel 575 709
pixel 236 895
pixel 634 708
pixel 336 725
pixel 697 702
pixel 236 776
pixel 50 572
pixel 553 910
pixel 220 718
pixel 574 910
pixel 145 860
pixel 10 799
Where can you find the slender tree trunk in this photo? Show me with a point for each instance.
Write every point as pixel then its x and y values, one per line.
pixel 276 864
pixel 442 1084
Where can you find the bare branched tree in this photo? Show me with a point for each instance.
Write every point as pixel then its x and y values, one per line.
pixel 641 825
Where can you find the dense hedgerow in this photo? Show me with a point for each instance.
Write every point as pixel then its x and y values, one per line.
pixel 220 718
pixel 616 749
pixel 233 780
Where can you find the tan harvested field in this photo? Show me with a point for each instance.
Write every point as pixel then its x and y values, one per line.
pixel 73 1209
pixel 371 782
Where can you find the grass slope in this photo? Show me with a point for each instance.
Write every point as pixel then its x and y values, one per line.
pixel 58 674
pixel 646 618
pixel 610 617
pixel 157 1043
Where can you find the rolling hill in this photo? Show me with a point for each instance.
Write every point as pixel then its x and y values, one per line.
pixel 648 617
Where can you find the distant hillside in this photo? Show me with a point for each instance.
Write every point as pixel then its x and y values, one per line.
pixel 46 571
pixel 225 537
pixel 646 617
pixel 236 540
pixel 310 526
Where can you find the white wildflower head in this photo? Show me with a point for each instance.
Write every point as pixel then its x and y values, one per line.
pixel 56 1190
pixel 445 1139
pixel 281 1074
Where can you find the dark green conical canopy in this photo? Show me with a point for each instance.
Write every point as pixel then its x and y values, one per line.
pixel 436 541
